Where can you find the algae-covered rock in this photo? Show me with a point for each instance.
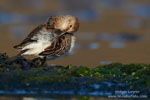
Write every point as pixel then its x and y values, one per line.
pixel 20 74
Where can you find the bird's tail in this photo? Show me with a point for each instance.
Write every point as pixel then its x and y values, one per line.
pixel 17 47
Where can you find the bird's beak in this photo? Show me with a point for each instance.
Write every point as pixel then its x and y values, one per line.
pixel 60 35
pixel 63 32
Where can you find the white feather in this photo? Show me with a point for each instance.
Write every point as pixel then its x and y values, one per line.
pixel 72 43
pixel 43 38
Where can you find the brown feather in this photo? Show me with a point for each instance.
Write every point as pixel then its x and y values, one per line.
pixel 59 46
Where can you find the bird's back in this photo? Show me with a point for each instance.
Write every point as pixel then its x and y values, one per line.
pixel 35 42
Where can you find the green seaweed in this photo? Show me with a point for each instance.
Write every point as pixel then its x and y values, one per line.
pixel 20 73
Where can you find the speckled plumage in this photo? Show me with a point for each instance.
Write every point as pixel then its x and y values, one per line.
pixel 51 39
pixel 60 46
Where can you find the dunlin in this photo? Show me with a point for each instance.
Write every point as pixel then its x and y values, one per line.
pixel 51 40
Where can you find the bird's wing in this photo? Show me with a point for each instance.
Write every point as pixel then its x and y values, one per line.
pixel 59 46
pixel 29 38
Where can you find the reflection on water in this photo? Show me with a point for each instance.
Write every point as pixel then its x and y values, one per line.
pixel 110 37
pixel 93 45
pixel 105 62
pixel 140 10
pixel 85 9
pixel 86 46
pixel 133 23
pixel 53 98
pixel 117 44
pixel 121 37
pixel 31 98
pixel 8 18
pixel 87 15
pixel 16 32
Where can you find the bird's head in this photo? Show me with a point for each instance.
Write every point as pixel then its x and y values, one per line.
pixel 66 23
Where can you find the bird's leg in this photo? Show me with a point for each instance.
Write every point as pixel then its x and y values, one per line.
pixel 20 54
pixel 43 60
pixel 39 61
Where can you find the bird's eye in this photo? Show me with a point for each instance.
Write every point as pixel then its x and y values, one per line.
pixel 70 26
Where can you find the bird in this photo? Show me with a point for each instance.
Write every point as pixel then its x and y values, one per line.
pixel 50 40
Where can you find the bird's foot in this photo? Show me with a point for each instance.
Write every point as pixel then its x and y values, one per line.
pixel 39 61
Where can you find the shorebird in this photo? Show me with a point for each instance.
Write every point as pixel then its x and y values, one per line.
pixel 50 40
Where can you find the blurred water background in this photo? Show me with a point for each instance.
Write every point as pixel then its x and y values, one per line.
pixel 110 30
